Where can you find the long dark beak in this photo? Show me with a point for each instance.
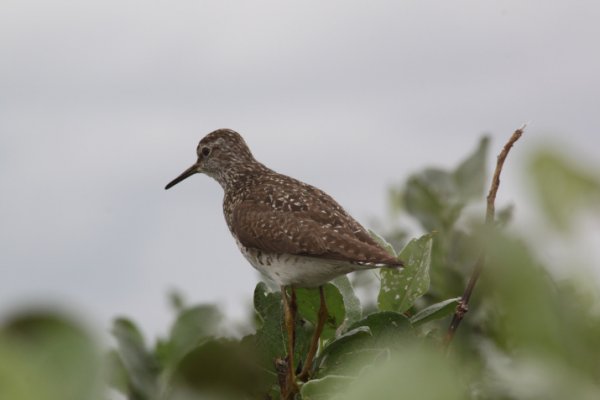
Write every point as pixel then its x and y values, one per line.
pixel 186 174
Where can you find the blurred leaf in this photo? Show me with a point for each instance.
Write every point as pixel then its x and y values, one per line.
pixel 163 353
pixel 436 197
pixel 433 199
pixel 117 374
pixel 525 300
pixel 417 373
pixel 309 301
pixel 534 317
pixel 452 257
pixel 46 356
pixel 535 378
pixel 435 311
pixel 546 332
pixel 192 327
pixel 141 366
pixel 176 300
pixel 504 216
pixel 401 287
pixel 470 174
pixel 223 368
pixel 562 188
pixel 327 388
pixel 351 301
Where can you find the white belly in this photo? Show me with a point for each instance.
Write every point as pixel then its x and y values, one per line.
pixel 298 271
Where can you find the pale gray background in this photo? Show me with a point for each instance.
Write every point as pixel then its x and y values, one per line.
pixel 103 102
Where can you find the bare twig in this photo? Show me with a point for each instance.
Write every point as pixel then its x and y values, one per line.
pixel 463 305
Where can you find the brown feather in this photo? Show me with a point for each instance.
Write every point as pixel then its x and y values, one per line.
pixel 302 220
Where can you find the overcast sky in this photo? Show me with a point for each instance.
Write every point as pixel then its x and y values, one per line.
pixel 103 102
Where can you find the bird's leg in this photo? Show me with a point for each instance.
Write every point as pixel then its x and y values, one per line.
pixel 314 344
pixel 290 322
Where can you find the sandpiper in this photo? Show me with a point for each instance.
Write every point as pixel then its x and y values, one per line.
pixel 292 232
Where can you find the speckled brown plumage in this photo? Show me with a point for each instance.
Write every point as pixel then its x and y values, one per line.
pixel 279 220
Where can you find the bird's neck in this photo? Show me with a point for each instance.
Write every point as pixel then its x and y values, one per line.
pixel 238 176
pixel 237 183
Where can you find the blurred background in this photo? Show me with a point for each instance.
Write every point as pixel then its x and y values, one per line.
pixel 103 102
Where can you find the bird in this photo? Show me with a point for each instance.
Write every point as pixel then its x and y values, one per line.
pixel 295 234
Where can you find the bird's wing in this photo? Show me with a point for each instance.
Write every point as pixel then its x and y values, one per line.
pixel 304 233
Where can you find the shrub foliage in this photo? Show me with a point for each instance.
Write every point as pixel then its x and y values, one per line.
pixel 527 335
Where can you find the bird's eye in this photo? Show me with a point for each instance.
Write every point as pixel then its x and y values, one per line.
pixel 205 151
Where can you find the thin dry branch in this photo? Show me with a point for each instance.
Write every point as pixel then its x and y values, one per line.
pixel 463 305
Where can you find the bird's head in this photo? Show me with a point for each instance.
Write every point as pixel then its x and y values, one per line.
pixel 221 154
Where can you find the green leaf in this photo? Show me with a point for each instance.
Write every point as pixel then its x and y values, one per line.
pixel 526 300
pixel 269 337
pixel 224 368
pixel 419 372
pixel 366 340
pixel 46 356
pixel 470 176
pixel 117 376
pixel 142 368
pixel 563 188
pixel 192 327
pixel 384 325
pixel 401 287
pixel 436 197
pixel 432 197
pixel 308 301
pixel 336 354
pixel 351 301
pixel 327 388
pixel 504 216
pixel 435 311
pixel 176 300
